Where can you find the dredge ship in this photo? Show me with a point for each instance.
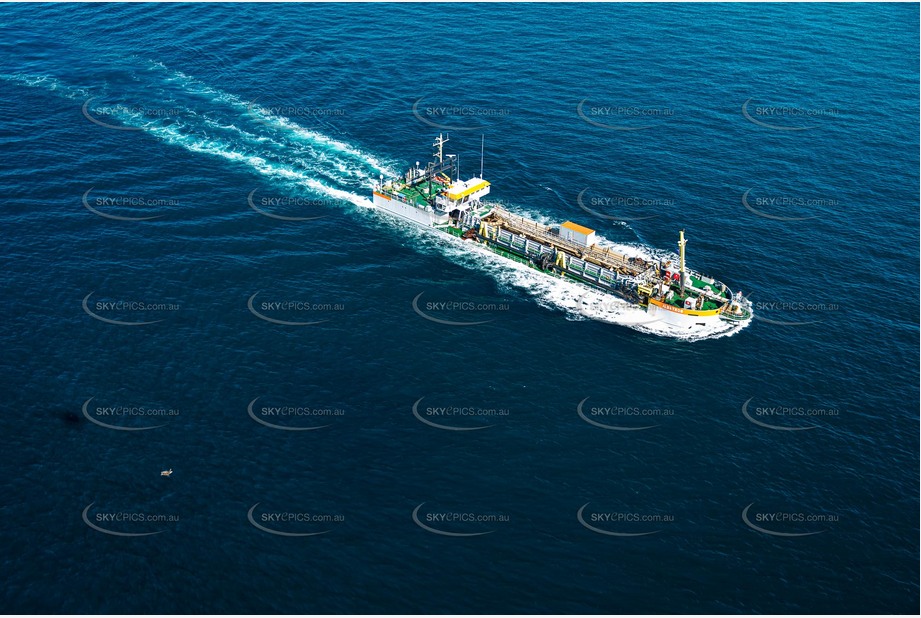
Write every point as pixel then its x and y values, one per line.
pixel 435 196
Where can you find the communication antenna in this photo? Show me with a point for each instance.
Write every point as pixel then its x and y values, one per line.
pixel 681 243
pixel 439 143
pixel 482 147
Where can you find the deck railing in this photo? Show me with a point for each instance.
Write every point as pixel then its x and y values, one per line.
pixel 601 256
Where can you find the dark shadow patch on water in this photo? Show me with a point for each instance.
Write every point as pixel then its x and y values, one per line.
pixel 68 417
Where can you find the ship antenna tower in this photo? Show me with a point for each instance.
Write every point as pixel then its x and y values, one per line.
pixel 439 143
pixel 681 243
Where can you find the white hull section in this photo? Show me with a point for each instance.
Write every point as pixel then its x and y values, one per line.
pixel 681 320
pixel 425 218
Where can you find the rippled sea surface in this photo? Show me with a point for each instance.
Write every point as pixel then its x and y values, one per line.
pixel 193 170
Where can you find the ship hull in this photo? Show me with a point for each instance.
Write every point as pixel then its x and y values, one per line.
pixel 682 318
pixel 426 218
pixel 622 289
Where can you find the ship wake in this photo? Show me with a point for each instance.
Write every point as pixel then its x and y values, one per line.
pixel 207 120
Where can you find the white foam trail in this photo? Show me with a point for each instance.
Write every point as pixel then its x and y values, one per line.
pixel 46 81
pixel 194 86
pixel 197 140
pixel 217 148
pixel 314 159
pixel 296 138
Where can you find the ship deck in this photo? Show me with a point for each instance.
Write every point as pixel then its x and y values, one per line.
pixel 707 305
pixel 419 194
pixel 693 281
pixel 600 256
pixel 700 285
pixel 703 285
pixel 604 257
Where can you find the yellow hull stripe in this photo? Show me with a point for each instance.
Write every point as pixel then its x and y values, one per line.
pixel 694 312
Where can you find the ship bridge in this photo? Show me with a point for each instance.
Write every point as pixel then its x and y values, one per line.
pixel 462 194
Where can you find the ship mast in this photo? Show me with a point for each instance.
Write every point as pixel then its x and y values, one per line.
pixel 681 243
pixel 482 147
pixel 439 143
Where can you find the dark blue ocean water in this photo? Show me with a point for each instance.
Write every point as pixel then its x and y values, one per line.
pixel 183 112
